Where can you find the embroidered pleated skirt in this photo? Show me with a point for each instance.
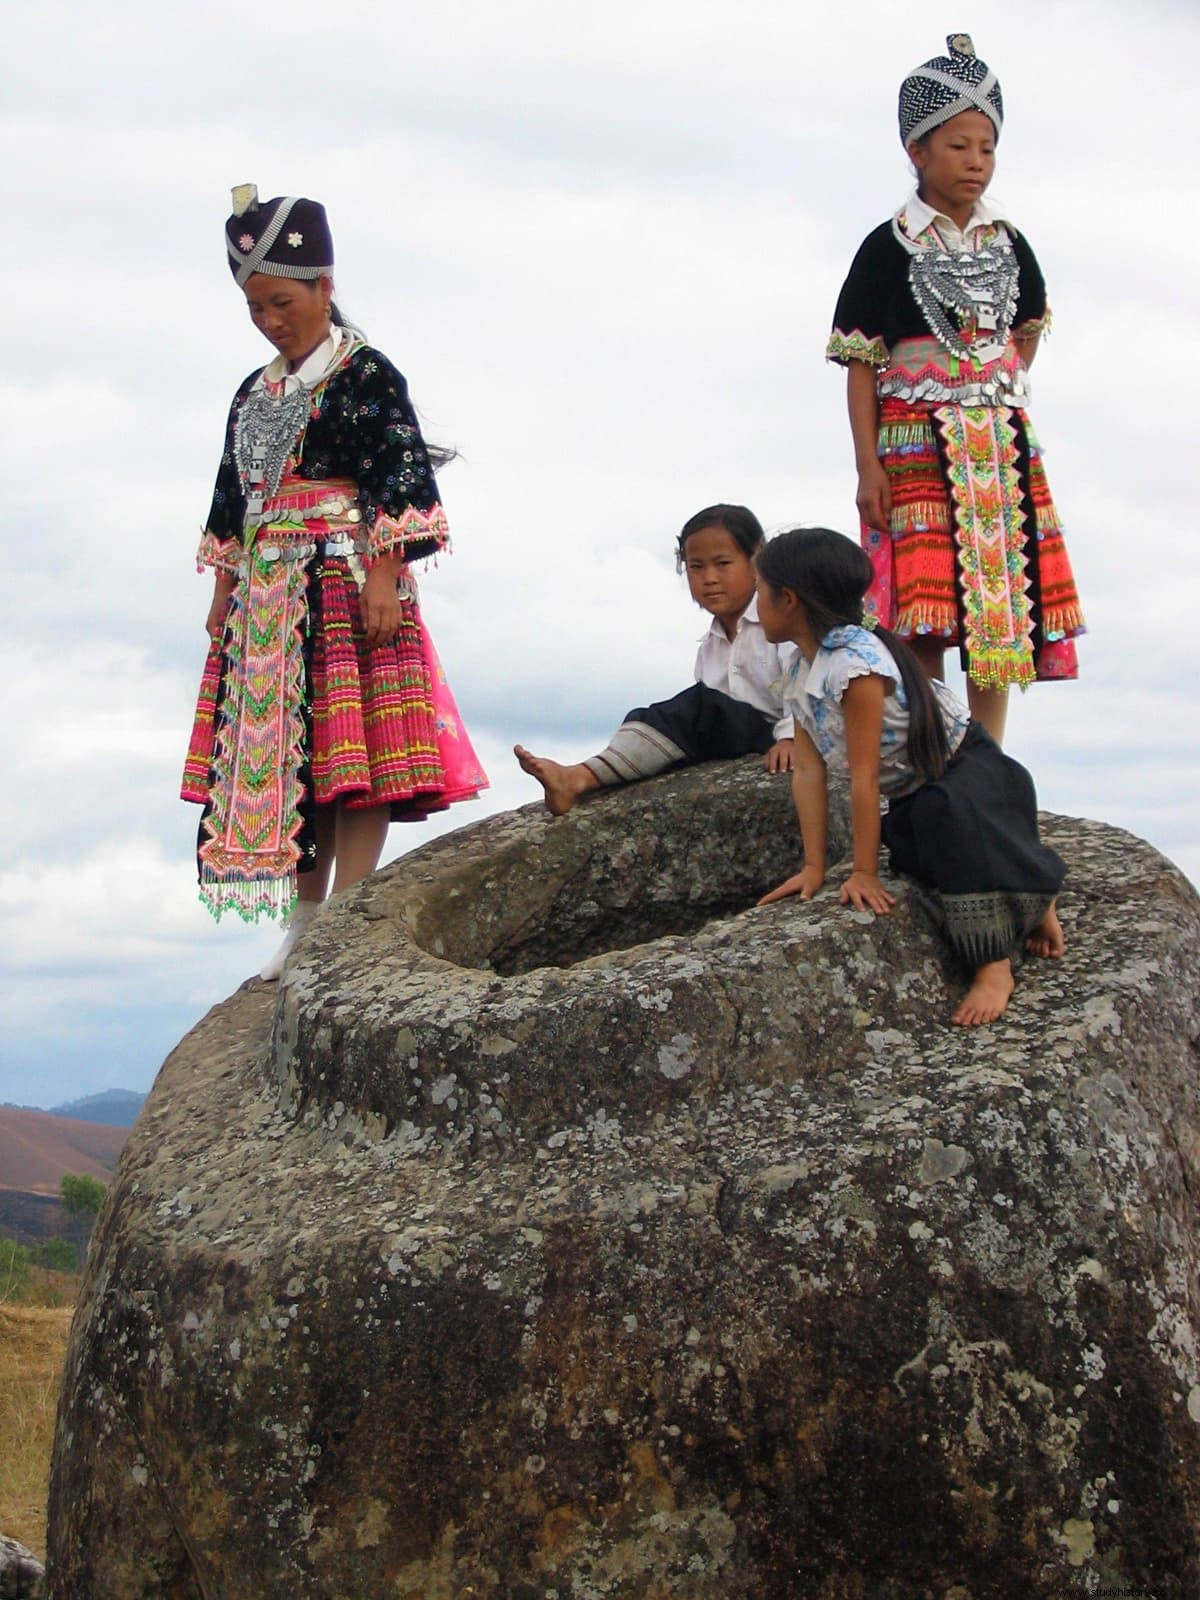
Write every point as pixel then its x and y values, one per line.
pixel 295 712
pixel 971 840
pixel 976 555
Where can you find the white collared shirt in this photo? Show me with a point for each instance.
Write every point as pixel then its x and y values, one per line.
pixel 747 667
pixel 984 214
pixel 311 370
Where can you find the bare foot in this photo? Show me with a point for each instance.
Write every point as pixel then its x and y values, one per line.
pixel 1047 938
pixel 563 785
pixel 988 996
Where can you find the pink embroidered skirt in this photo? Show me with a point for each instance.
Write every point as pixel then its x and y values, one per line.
pixel 294 710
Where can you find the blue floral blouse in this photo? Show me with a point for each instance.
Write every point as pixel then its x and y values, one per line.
pixel 813 692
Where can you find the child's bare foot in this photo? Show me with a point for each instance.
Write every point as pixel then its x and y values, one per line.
pixel 563 785
pixel 988 996
pixel 1047 938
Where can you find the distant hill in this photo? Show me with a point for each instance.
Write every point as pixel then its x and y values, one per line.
pixel 116 1108
pixel 30 1218
pixel 37 1148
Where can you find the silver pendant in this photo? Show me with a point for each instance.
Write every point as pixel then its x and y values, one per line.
pixel 952 287
pixel 267 432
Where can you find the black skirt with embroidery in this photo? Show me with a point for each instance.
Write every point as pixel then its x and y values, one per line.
pixel 971 840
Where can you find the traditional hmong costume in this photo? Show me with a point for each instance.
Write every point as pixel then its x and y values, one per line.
pixel 324 471
pixel 976 553
pixel 969 838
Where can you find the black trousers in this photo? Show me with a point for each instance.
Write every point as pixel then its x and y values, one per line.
pixel 708 725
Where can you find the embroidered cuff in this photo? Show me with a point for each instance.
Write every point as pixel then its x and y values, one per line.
pixel 223 554
pixel 414 533
pixel 847 347
pixel 1035 325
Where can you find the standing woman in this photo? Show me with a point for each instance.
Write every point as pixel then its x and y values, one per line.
pixel 937 324
pixel 323 711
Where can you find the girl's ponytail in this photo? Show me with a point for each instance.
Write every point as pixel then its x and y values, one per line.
pixel 829 574
pixel 928 747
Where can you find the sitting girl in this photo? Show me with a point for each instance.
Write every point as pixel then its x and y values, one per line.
pixel 733 708
pixel 962 816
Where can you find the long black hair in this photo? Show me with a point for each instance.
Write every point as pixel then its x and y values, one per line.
pixel 829 574
pixel 440 455
pixel 739 522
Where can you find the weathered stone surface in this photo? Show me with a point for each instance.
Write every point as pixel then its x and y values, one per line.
pixel 21 1573
pixel 715 1266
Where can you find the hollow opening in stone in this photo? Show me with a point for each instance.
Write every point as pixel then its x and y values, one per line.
pixel 639 871
pixel 578 933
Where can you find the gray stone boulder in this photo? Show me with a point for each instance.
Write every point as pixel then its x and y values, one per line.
pixel 565 1228
pixel 21 1573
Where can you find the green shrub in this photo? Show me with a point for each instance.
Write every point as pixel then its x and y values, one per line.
pixel 60 1255
pixel 82 1196
pixel 14 1268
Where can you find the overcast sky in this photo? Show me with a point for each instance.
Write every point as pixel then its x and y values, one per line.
pixel 604 244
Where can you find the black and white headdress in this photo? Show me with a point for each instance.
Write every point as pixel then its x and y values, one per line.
pixel 939 89
pixel 286 237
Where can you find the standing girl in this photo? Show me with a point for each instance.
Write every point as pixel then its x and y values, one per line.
pixel 962 816
pixel 732 709
pixel 323 711
pixel 937 324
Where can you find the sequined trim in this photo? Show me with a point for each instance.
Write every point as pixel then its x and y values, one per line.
pixel 1035 325
pixel 412 527
pixel 333 500
pixel 921 370
pixel 856 346
pixel 223 554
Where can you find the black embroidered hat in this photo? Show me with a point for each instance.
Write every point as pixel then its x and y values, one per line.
pixel 286 237
pixel 939 89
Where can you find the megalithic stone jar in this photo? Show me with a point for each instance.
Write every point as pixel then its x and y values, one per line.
pixel 567 1227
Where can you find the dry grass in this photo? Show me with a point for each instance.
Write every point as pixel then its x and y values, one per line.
pixel 33 1346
